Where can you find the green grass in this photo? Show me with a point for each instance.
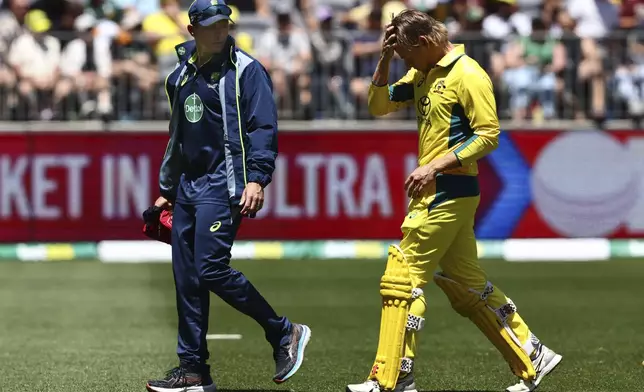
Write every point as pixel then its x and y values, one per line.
pixel 93 327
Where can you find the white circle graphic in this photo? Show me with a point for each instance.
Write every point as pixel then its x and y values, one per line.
pixel 584 184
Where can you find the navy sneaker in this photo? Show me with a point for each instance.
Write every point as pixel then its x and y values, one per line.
pixel 289 357
pixel 183 379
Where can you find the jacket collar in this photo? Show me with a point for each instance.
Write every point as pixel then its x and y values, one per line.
pixel 187 51
pixel 456 53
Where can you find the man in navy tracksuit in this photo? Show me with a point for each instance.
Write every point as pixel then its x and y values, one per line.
pixel 221 155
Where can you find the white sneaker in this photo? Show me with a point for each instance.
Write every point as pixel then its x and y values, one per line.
pixel 545 362
pixel 406 384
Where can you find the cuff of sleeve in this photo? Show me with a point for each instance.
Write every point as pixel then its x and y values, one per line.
pixel 466 150
pixel 170 195
pixel 259 178
pixel 374 85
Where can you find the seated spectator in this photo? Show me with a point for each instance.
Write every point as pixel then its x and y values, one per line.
pixel 358 14
pixel 532 64
pixel 259 7
pixel 243 39
pixel 133 71
pixel 11 21
pixel 367 45
pixel 35 58
pixel 465 17
pixel 593 20
pixel 164 30
pixel 142 7
pixel 331 62
pixel 630 79
pixel 78 79
pixel 631 14
pixel 286 54
pixel 504 20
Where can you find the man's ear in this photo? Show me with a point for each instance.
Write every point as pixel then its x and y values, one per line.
pixel 423 40
pixel 191 30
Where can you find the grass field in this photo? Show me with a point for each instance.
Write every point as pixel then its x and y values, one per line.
pixel 92 327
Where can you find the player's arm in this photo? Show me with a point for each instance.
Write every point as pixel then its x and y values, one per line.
pixel 259 113
pixel 384 99
pixel 170 170
pixel 477 99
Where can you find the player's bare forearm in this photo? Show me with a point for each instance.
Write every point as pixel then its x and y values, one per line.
pixel 381 74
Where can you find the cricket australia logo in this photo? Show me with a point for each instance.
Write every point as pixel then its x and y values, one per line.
pixel 193 108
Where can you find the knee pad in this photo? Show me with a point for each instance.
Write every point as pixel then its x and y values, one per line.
pixel 397 294
pixel 491 321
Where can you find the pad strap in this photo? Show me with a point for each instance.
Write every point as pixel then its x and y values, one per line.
pixel 406 365
pixel 415 323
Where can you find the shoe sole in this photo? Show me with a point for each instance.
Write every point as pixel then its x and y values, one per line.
pixel 200 388
pixel 306 336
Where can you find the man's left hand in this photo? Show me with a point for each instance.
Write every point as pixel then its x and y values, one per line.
pixel 252 199
pixel 419 180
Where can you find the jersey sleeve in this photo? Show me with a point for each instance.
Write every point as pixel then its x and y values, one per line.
pixel 477 99
pixel 387 99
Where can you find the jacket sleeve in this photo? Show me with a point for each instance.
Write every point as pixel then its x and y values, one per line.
pixel 477 98
pixel 170 170
pixel 387 99
pixel 260 116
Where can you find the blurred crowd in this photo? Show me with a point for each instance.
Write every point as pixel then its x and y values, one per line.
pixel 108 59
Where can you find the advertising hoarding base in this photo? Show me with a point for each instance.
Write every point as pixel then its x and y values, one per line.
pixel 514 250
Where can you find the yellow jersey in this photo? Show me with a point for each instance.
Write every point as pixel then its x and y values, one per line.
pixel 455 109
pixel 456 114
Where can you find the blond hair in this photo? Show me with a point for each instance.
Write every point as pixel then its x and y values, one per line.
pixel 412 24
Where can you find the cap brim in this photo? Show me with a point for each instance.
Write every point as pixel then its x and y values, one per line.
pixel 214 19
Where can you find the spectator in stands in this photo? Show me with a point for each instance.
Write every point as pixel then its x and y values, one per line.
pixel 593 20
pixel 286 54
pixel 366 49
pixel 631 14
pixel 532 64
pixel 358 14
pixel 35 58
pixel 331 66
pixel 12 18
pixel 164 30
pixel 243 39
pixel 503 24
pixel 142 7
pixel 531 8
pixel 259 7
pixel 465 18
pixel 133 72
pixel 74 34
pixel 629 79
pixel 504 21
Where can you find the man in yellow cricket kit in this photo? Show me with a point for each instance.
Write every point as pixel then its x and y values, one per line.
pixel 458 124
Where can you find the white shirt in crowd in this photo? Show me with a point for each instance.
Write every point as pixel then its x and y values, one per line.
pixel 595 18
pixel 35 59
pixel 282 52
pixel 496 27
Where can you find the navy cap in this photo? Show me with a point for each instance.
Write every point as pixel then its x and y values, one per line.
pixel 207 12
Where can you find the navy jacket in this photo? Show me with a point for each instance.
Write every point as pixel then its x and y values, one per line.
pixel 223 128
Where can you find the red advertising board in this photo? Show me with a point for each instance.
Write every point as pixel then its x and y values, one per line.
pixel 328 185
